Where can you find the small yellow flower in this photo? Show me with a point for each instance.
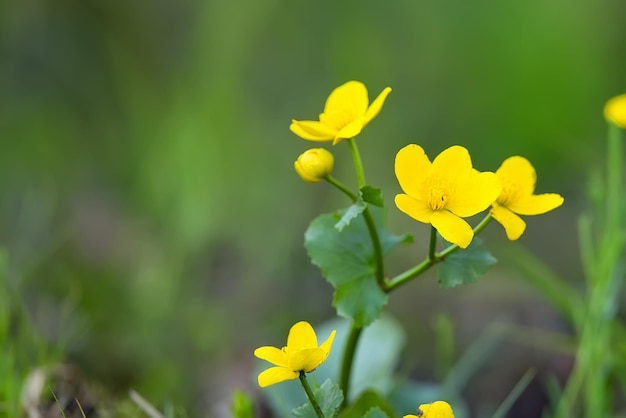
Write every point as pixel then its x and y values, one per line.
pixel 300 355
pixel 314 165
pixel 346 113
pixel 615 111
pixel 438 409
pixel 518 179
pixel 444 191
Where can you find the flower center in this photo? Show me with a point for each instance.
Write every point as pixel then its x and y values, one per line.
pixel 337 118
pixel 437 192
pixel 509 194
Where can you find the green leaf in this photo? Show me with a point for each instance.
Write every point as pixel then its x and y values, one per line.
pixel 347 261
pixel 375 412
pixel 465 266
pixel 372 195
pixel 370 402
pixel 329 398
pixel 352 212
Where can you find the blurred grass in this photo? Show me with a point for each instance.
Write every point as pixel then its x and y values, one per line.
pixel 146 165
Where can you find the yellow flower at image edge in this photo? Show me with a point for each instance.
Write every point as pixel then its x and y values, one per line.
pixel 438 409
pixel 301 354
pixel 518 179
pixel 444 191
pixel 314 165
pixel 615 110
pixel 346 113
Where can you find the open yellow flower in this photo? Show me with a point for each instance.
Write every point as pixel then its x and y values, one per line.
pixel 518 179
pixel 438 409
pixel 444 191
pixel 346 113
pixel 300 355
pixel 615 110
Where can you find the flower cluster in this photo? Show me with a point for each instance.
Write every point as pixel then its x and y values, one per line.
pixel 443 192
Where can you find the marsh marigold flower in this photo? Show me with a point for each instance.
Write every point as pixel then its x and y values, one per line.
pixel 301 354
pixel 346 113
pixel 444 191
pixel 314 165
pixel 438 409
pixel 518 179
pixel 615 111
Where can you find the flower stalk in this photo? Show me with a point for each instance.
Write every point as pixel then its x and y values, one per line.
pixel 310 395
pixel 346 363
pixel 432 259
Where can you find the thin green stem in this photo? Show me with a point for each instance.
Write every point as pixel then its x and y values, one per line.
pixel 346 363
pixel 378 249
pixel 420 268
pixel 358 164
pixel 310 395
pixel 367 215
pixel 342 187
pixel 432 247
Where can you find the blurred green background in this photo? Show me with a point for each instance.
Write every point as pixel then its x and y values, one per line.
pixel 150 213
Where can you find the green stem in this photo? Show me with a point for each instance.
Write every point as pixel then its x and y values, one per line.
pixel 378 250
pixel 432 247
pixel 310 395
pixel 346 363
pixel 358 164
pixel 342 187
pixel 413 272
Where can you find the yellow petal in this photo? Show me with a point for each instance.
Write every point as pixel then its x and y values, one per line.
pixel 452 228
pixel 536 204
pixel 412 166
pixel 301 337
pixel 275 375
pixel 514 226
pixel 452 164
pixel 312 130
pixel 302 172
pixel 376 105
pixel 306 360
pixel 272 354
pixel 615 110
pixel 410 416
pixel 350 130
pixel 518 178
pixel 474 194
pixel 416 209
pixel 349 99
pixel 328 344
pixel 438 409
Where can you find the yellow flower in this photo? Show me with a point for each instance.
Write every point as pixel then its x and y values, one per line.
pixel 518 179
pixel 346 113
pixel 615 110
pixel 300 355
pixel 314 165
pixel 444 191
pixel 438 409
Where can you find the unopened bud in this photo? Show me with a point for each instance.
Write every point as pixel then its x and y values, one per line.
pixel 314 165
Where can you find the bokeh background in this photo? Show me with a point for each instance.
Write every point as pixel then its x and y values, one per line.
pixel 149 211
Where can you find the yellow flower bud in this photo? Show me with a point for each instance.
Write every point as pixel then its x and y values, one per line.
pixel 314 165
pixel 615 110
